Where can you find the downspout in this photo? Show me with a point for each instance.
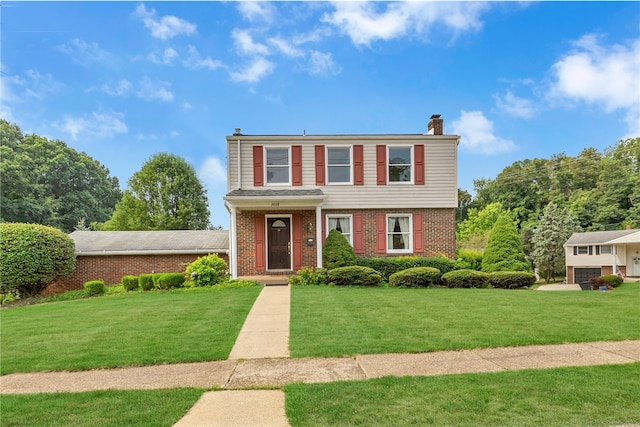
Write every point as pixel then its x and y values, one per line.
pixel 233 243
pixel 614 251
pixel 239 166
pixel 319 236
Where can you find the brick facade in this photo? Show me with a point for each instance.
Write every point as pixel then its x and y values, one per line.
pixel 111 269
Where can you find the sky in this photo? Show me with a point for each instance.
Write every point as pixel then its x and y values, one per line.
pixel 122 81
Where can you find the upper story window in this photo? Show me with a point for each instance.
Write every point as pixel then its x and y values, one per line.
pixel 604 250
pixel 277 166
pixel 582 250
pixel 342 223
pixel 400 164
pixel 338 165
pixel 399 233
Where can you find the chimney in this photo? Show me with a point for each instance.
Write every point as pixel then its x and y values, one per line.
pixel 435 125
pixel 238 132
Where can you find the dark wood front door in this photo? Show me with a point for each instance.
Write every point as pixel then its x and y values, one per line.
pixel 279 232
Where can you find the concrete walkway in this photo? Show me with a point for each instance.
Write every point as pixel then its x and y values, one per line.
pixel 560 287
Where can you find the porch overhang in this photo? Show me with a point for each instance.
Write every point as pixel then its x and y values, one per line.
pixel 628 239
pixel 275 199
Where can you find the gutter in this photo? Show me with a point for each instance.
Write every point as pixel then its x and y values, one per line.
pixel 160 252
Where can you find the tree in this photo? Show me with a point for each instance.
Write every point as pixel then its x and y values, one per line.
pixel 165 194
pixel 473 233
pixel 337 252
pixel 46 182
pixel 504 249
pixel 33 256
pixel 554 228
pixel 464 202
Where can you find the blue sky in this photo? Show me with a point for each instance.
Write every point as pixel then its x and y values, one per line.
pixel 122 81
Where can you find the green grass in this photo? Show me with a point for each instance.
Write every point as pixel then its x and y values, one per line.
pixel 98 408
pixel 332 321
pixel 592 396
pixel 124 330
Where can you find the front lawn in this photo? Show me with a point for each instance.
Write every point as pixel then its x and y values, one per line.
pixel 584 396
pixel 143 328
pixel 98 408
pixel 334 321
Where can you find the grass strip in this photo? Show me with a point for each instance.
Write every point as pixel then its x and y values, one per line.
pixel 584 396
pixel 333 321
pixel 137 329
pixel 98 408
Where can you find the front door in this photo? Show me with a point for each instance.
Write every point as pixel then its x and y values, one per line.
pixel 279 235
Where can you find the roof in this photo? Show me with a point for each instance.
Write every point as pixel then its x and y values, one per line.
pixel 276 193
pixel 150 242
pixel 601 237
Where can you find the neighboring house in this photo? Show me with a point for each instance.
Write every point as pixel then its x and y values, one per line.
pixel 389 195
pixel 110 255
pixel 598 253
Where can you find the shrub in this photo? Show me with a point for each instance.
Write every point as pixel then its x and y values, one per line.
pixel 130 283
pixel 596 282
pixel 337 252
pixel 612 280
pixel 416 277
pixel 309 277
pixel 33 256
pixel 170 280
pixel 354 275
pixel 207 270
pixel 504 249
pixel 94 287
pixel 468 260
pixel 466 279
pixel 511 279
pixel 155 277
pixel 237 283
pixel 386 266
pixel 145 281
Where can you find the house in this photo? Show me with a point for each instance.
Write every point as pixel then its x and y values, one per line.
pixel 110 255
pixel 599 253
pixel 389 195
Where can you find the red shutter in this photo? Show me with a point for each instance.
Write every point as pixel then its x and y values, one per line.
pixel 324 227
pixel 381 164
pixel 418 153
pixel 297 241
pixel 320 165
pixel 358 165
pixel 258 166
pixel 381 233
pixel 418 233
pixel 358 237
pixel 259 240
pixel 296 164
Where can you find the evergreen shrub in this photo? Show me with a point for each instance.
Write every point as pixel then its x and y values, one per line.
pixel 130 283
pixel 416 277
pixel 504 250
pixel 386 266
pixel 468 260
pixel 145 281
pixel 337 251
pixel 612 280
pixel 94 287
pixel 354 275
pixel 511 279
pixel 170 280
pixel 466 279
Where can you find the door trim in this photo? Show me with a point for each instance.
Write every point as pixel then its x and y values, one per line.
pixel 268 242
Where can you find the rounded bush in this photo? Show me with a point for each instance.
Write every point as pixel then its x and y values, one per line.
pixel 207 270
pixel 466 279
pixel 337 252
pixel 308 276
pixel 389 265
pixel 94 287
pixel 32 256
pixel 612 280
pixel 130 283
pixel 354 275
pixel 416 277
pixel 145 281
pixel 170 280
pixel 511 279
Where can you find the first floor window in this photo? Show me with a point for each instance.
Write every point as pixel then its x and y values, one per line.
pixel 342 223
pixel 399 233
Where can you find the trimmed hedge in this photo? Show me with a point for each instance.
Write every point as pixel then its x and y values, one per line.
pixel 386 266
pixel 354 275
pixel 466 279
pixel 145 281
pixel 170 280
pixel 416 277
pixel 511 279
pixel 130 283
pixel 94 287
pixel 612 280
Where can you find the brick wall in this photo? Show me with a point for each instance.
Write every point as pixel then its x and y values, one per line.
pixel 111 269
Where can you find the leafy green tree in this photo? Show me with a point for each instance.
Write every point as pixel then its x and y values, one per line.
pixel 473 233
pixel 554 228
pixel 464 202
pixel 165 194
pixel 504 249
pixel 46 182
pixel 33 256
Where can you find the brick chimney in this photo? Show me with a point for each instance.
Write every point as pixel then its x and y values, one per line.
pixel 435 125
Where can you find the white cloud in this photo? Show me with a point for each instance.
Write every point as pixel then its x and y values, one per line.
pixel 365 22
pixel 256 11
pixel 285 47
pixel 515 106
pixel 121 89
pixel 254 72
pixel 213 172
pixel 31 84
pixel 85 54
pixel 245 45
pixel 167 58
pixel 477 135
pixel 322 64
pixel 97 125
pixel 165 27
pixel 186 106
pixel 194 60
pixel 154 90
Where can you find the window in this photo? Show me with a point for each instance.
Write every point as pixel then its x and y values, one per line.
pixel 399 233
pixel 583 250
pixel 342 223
pixel 277 165
pixel 400 164
pixel 605 249
pixel 339 165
